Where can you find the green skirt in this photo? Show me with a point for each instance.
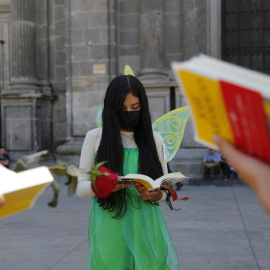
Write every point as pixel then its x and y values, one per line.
pixel 140 240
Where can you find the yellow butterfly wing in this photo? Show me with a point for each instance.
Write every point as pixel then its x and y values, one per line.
pixel 128 71
pixel 99 116
pixel 171 127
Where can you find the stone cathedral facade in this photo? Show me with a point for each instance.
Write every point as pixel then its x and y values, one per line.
pixel 58 57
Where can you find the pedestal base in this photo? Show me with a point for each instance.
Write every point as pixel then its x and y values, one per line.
pixel 26 123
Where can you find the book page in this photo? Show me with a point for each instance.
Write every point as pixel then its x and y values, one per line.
pixel 221 70
pixel 150 184
pixel 11 181
pixel 145 180
pixel 170 178
pixel 146 184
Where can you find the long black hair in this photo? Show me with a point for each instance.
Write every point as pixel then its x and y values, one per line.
pixel 111 148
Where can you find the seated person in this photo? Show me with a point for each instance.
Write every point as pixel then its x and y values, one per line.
pixel 4 158
pixel 225 168
pixel 211 161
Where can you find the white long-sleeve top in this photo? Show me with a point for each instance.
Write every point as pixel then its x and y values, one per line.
pixel 90 146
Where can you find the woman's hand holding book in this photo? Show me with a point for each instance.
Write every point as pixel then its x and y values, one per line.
pixel 251 170
pixel 120 185
pixel 153 196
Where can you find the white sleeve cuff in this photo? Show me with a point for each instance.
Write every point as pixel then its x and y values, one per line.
pixel 84 177
pixel 164 196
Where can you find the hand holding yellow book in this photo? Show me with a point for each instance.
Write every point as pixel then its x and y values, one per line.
pixel 229 101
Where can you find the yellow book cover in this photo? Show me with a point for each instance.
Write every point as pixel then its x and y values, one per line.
pixel 21 190
pixel 207 106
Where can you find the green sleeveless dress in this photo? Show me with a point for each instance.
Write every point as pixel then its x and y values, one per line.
pixel 138 241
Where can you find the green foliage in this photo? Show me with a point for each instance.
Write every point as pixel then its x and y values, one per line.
pixel 70 171
pixel 20 166
pixel 56 189
pixel 95 173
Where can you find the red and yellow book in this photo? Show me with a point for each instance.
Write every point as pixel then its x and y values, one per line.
pixel 229 101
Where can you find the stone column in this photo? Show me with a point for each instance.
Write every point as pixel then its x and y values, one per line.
pixel 43 46
pixel 26 111
pixel 152 38
pixel 23 45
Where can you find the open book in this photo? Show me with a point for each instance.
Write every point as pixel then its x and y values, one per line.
pixel 22 189
pixel 227 100
pixel 150 184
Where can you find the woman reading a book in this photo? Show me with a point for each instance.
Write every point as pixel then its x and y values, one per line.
pixel 126 229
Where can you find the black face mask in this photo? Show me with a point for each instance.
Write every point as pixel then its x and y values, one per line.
pixel 128 119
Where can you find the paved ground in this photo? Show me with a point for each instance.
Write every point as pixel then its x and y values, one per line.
pixel 219 228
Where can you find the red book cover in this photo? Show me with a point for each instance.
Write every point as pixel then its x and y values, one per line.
pixel 248 120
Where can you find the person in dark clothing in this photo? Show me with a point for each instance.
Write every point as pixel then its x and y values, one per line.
pixel 225 168
pixel 4 158
pixel 211 161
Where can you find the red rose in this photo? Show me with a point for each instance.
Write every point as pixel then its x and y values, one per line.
pixel 103 180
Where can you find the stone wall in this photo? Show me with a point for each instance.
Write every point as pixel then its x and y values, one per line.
pixel 33 113
pixel 147 35
pixel 91 62
pixel 77 47
pixel 57 68
pixel 200 33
